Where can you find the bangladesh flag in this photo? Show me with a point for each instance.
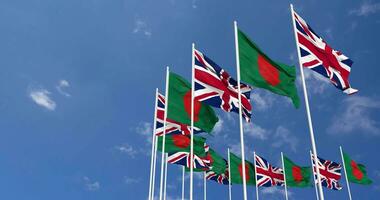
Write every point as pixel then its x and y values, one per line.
pixel 237 171
pixel 258 70
pixel 297 176
pixel 179 106
pixel 218 163
pixel 181 143
pixel 356 173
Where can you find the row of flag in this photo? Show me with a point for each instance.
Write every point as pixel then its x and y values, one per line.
pixel 260 172
pixel 187 109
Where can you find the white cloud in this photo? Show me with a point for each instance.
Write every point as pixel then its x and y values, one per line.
pixel 275 191
pixel 129 180
pixel 127 149
pixel 142 27
pixel 315 82
pixel 377 173
pixel 218 128
pixel 355 115
pixel 62 84
pixel 145 129
pixel 41 97
pixel 283 137
pixel 328 33
pixel 366 8
pixel 91 185
pixel 255 131
pixel 261 101
pixel 194 4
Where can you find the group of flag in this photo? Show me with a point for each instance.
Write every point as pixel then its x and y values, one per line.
pixel 215 88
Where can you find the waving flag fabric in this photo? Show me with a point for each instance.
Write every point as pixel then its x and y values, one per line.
pixel 179 106
pixel 172 127
pixel 183 158
pixel 178 149
pixel 329 172
pixel 181 143
pixel 237 171
pixel 259 70
pixel 215 87
pixel 218 168
pixel 219 178
pixel 317 55
pixel 356 173
pixel 297 176
pixel 267 175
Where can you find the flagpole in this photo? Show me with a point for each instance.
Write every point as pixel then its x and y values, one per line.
pixel 192 122
pixel 204 186
pixel 312 169
pixel 240 112
pixel 151 184
pixel 164 132
pixel 257 188
pixel 229 175
pixel 314 148
pixel 166 174
pixel 183 182
pixel 154 166
pixel 283 167
pixel 345 173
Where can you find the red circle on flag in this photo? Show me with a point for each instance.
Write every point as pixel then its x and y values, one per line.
pixel 246 171
pixel 181 141
pixel 187 104
pixel 356 171
pixel 268 71
pixel 297 174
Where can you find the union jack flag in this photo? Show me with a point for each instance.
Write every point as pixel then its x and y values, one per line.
pixel 317 55
pixel 329 172
pixel 219 178
pixel 215 87
pixel 172 127
pixel 183 158
pixel 268 175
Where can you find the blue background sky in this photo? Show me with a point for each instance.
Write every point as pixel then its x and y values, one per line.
pixel 77 88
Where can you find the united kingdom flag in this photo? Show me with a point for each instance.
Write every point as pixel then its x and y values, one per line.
pixel 183 158
pixel 215 87
pixel 268 175
pixel 317 55
pixel 219 178
pixel 329 172
pixel 172 127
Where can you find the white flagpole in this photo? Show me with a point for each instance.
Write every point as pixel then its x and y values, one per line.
pixel 154 167
pixel 166 174
pixel 257 188
pixel 192 122
pixel 240 112
pixel 229 175
pixel 183 182
pixel 314 148
pixel 345 173
pixel 164 133
pixel 312 169
pixel 283 168
pixel 151 184
pixel 204 186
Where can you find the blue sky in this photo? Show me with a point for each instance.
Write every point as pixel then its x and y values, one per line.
pixel 77 88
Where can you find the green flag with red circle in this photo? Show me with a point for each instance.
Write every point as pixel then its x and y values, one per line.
pixel 179 105
pixel 237 171
pixel 258 70
pixel 356 173
pixel 297 176
pixel 181 143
